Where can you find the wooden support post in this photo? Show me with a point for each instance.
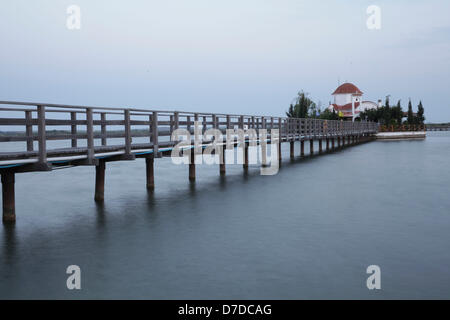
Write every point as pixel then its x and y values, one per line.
pixel 9 204
pixel 339 142
pixel 327 144
pixel 29 130
pixel 155 133
pixel 188 124
pixel 245 164
pixel 41 135
pixel 90 134
pixel 292 149
pixel 73 128
pixel 149 162
pixel 280 140
pixel 332 143
pixel 192 165
pixel 302 148
pixel 279 150
pixel 311 146
pixel 222 160
pixel 103 128
pixel 100 181
pixel 320 145
pixel 127 132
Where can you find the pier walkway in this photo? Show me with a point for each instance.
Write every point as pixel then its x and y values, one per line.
pixel 44 137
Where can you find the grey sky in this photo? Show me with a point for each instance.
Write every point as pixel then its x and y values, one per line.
pixel 224 56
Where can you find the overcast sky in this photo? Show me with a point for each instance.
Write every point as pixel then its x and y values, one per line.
pixel 246 56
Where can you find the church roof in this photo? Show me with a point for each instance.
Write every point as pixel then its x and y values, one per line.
pixel 348 88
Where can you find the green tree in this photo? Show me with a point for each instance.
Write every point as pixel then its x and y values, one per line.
pixel 397 113
pixel 329 115
pixel 410 118
pixel 302 107
pixel 420 113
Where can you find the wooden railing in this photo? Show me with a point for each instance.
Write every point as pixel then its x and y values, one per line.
pixel 404 127
pixel 86 129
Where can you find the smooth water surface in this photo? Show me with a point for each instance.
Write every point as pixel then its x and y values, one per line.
pixel 308 232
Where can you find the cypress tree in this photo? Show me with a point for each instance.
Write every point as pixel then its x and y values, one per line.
pixel 398 114
pixel 420 113
pixel 410 118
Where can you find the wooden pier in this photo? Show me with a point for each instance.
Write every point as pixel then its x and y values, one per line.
pixel 438 127
pixel 84 138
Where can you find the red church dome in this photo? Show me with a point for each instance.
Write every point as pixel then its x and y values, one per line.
pixel 348 88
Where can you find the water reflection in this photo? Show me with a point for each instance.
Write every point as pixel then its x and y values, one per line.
pixel 10 242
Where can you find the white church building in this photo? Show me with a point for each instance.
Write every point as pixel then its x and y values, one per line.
pixel 348 101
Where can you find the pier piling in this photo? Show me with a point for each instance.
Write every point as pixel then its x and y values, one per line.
pixel 100 181
pixel 222 168
pixel 302 148
pixel 9 204
pixel 192 165
pixel 292 149
pixel 245 164
pixel 149 168
pixel 279 150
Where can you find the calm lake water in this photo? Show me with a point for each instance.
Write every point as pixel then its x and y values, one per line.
pixel 308 232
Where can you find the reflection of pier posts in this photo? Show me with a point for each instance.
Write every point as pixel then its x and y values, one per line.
pixel 9 204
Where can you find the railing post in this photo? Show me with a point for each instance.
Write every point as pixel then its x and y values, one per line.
pixel 29 130
pixel 41 135
pixel 127 131
pixel 103 128
pixel 214 121
pixel 263 142
pixel 176 120
pixel 280 139
pixel 197 142
pixel 155 133
pixel 188 123
pixel 90 133
pixel 73 128
pixel 150 128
